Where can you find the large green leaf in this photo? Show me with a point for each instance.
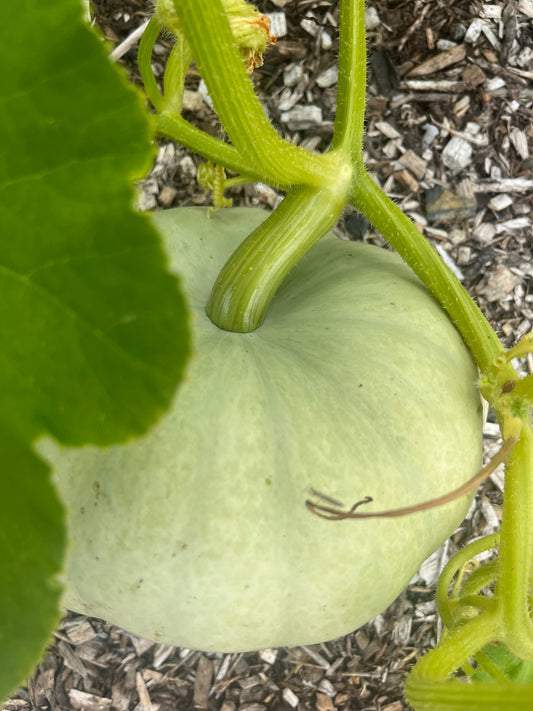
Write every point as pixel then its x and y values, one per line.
pixel 31 543
pixel 92 328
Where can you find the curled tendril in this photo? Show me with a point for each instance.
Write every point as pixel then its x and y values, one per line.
pixel 333 513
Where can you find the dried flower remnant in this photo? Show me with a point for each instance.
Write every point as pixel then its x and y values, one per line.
pixel 249 27
pixel 255 40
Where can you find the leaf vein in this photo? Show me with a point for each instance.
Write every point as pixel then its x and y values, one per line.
pixel 93 330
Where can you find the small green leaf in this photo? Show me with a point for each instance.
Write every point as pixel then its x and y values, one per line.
pixel 32 545
pixel 93 336
pixel 512 667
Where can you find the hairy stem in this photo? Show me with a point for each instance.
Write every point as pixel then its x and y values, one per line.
pixel 180 130
pixel 401 234
pixel 350 116
pixel 207 30
pixel 516 554
pixel 429 687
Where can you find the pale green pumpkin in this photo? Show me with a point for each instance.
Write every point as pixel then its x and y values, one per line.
pixel 356 384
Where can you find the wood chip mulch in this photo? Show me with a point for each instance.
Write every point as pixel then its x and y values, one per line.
pixel 449 137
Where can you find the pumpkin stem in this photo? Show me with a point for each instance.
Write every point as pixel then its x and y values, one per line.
pixel 249 280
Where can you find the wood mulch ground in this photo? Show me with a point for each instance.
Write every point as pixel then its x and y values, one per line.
pixel 450 133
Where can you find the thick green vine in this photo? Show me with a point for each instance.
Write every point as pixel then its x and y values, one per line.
pixel 488 603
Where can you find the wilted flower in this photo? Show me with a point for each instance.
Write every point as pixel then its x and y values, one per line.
pixel 250 28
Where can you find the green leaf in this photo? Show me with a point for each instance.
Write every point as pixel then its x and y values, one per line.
pixel 512 667
pixel 32 544
pixel 524 388
pixel 93 330
pixel 91 326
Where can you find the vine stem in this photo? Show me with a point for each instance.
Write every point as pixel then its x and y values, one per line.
pixel 180 130
pixel 207 30
pixel 385 215
pixel 455 648
pixel 516 548
pixel 351 89
pixel 428 687
pixel 404 237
